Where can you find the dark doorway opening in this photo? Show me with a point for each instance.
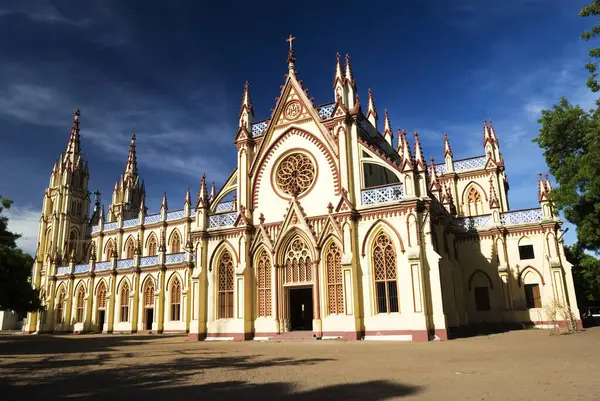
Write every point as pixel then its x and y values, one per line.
pixel 149 318
pixel 301 308
pixel 101 320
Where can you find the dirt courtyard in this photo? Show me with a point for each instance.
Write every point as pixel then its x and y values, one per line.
pixel 523 365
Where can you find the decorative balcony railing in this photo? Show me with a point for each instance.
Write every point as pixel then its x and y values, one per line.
pixel 440 169
pixel 326 111
pixel 111 226
pixel 131 222
pixel 176 215
pixel 224 207
pixel 153 218
pixel 101 266
pixel 174 258
pixel 62 270
pixel 383 194
pixel 84 268
pixel 95 229
pixel 472 163
pixel 475 222
pixel 222 220
pixel 259 128
pixel 148 261
pixel 124 263
pixel 522 216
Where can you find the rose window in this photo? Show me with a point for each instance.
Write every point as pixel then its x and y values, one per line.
pixel 295 174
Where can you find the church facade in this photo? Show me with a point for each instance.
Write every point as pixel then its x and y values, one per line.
pixel 329 226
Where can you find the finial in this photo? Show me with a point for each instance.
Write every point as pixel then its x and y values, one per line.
pixel 387 129
pixel 76 115
pixel 419 157
pixel 447 149
pixel 330 208
pixel 261 218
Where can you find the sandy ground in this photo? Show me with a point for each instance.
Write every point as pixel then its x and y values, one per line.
pixel 523 365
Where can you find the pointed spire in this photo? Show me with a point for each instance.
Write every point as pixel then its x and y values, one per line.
pixel 372 111
pixel 131 166
pixel 164 204
pixel 447 148
pixel 449 200
pixel 548 184
pixel 400 144
pixel 348 73
pixel 542 190
pixel 494 202
pixel 406 153
pixel 388 135
pixel 419 158
pixel 202 193
pixel 339 77
pixel 434 182
pixel 138 245
pixel 143 204
pixel 492 132
pixel 74 144
pixel 93 252
pixel 212 192
pixel 188 198
pixel 246 109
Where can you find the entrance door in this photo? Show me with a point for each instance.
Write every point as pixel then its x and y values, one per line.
pixel 101 320
pixel 149 318
pixel 301 308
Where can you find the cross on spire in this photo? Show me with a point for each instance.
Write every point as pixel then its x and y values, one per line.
pixel 290 39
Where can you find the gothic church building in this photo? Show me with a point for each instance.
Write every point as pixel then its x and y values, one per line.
pixel 331 225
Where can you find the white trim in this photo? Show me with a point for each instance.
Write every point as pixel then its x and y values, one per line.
pixel 219 339
pixel 400 337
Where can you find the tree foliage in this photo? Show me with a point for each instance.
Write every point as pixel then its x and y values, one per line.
pixel 16 292
pixel 592 9
pixel 586 274
pixel 569 138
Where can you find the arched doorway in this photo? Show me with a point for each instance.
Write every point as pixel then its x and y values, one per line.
pixel 298 281
pixel 148 304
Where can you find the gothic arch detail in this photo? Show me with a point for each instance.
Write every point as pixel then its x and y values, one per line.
pixel 263 281
pixel 152 244
pixel 335 279
pixel 385 274
pixel 297 261
pixel 482 273
pixel 129 248
pixel 175 241
pixel 225 272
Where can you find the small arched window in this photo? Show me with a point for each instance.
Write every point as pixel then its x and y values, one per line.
pixel 72 242
pixel 152 245
pixel 175 299
pixel 60 309
pixel 474 202
pixel 384 265
pixel 110 246
pixel 80 299
pixel 130 248
pixel 149 294
pixel 263 273
pixel 335 287
pixel 175 243
pixel 101 296
pixel 225 275
pixel 125 303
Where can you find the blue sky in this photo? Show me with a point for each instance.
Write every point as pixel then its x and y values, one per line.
pixel 174 71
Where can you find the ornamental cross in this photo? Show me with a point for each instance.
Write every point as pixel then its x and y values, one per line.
pixel 290 39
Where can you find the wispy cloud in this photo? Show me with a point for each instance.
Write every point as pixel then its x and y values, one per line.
pixel 24 221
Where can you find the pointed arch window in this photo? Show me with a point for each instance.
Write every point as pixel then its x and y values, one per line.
pixel 152 245
pixel 335 287
pixel 60 309
pixel 175 299
pixel 384 265
pixel 176 243
pixel 80 299
pixel 226 286
pixel 109 249
pixel 102 296
pixel 130 248
pixel 72 241
pixel 298 263
pixel 124 303
pixel 264 284
pixel 149 294
pixel 474 202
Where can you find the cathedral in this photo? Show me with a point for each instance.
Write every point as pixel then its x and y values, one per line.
pixel 331 225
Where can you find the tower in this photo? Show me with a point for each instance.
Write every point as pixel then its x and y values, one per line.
pixel 64 220
pixel 129 190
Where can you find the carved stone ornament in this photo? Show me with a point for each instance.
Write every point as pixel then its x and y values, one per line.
pixel 292 110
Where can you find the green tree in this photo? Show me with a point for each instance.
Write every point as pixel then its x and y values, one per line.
pixel 586 274
pixel 569 138
pixel 592 9
pixel 16 292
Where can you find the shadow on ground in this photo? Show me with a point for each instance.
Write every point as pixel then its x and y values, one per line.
pixel 44 368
